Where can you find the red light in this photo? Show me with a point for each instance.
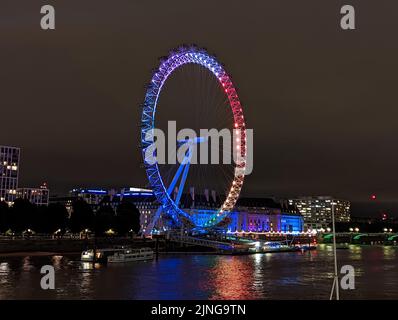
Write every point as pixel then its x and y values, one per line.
pixel 373 197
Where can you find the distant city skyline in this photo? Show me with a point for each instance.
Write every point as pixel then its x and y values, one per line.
pixel 372 206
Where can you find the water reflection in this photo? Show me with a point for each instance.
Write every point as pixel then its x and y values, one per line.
pixel 389 252
pixel 4 268
pixel 293 275
pixel 56 262
pixel 259 260
pixel 27 265
pixel 4 273
pixel 89 266
pixel 233 277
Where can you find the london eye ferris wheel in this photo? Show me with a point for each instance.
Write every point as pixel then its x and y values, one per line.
pixel 192 86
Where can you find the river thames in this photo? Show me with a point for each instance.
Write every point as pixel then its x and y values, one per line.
pixel 293 275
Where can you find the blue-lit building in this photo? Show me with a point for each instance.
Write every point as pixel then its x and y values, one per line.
pixel 265 215
pixel 143 199
pixel 250 214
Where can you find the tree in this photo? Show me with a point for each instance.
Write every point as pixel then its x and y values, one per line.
pixel 51 218
pixel 22 215
pixel 82 216
pixel 58 217
pixel 104 219
pixel 128 218
pixel 40 223
pixel 4 216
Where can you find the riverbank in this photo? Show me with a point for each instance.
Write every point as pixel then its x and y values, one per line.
pixel 68 246
pixel 10 246
pixel 63 246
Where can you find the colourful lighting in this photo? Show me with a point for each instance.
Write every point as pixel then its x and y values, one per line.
pixel 187 55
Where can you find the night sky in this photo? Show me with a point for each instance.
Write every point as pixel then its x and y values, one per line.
pixel 322 101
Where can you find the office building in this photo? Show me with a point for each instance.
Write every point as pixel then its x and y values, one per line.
pixel 38 196
pixel 317 210
pixel 9 169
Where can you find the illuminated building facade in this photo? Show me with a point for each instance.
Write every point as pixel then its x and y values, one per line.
pixel 317 211
pixel 145 202
pixel 93 196
pixel 249 214
pixel 265 215
pixel 143 199
pixel 9 168
pixel 38 196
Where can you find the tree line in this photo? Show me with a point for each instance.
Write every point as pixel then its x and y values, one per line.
pixel 24 215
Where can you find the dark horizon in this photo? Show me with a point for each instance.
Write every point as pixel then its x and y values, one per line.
pixel 322 102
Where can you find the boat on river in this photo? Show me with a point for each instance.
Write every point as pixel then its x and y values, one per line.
pixel 130 255
pixel 101 255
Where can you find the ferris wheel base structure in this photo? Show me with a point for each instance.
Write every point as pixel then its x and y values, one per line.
pixel 165 224
pixel 169 207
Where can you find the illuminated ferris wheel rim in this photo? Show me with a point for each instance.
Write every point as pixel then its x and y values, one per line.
pixel 183 56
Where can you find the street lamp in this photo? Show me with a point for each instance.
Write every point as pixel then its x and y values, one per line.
pixel 336 284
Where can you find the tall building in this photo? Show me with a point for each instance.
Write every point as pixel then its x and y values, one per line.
pixel 38 196
pixel 9 168
pixel 317 210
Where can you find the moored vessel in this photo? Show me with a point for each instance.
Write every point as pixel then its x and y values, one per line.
pixel 100 255
pixel 130 255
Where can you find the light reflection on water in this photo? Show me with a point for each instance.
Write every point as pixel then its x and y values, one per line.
pixel 233 277
pixel 294 275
